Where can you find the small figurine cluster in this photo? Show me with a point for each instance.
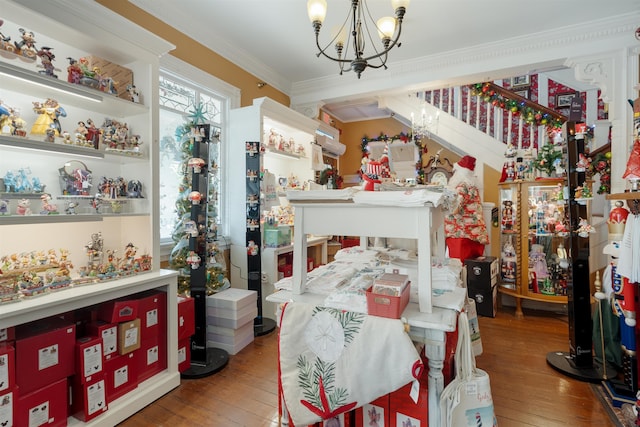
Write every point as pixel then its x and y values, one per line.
pixel 24 48
pixel 33 273
pixel 113 188
pixel 276 141
pixel 20 181
pixel 98 268
pixel 10 121
pixel 116 137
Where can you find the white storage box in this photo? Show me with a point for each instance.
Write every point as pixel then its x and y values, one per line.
pixel 230 336
pixel 232 298
pixel 245 316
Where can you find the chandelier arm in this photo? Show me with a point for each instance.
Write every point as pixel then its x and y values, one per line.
pixel 391 45
pixel 322 52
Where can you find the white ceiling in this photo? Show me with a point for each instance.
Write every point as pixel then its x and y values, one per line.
pixel 274 39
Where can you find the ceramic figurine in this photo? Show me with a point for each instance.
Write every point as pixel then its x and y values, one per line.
pixel 71 208
pixel 47 207
pixel 26 47
pixel 195 197
pixel 134 95
pixel 24 207
pixel 584 228
pixel 46 60
pixel 74 72
pixel 193 260
pixel 4 207
pixel 191 228
pixel 196 164
pixel 92 134
pixel 49 113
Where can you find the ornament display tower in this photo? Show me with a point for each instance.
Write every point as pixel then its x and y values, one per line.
pixel 579 362
pixel 195 255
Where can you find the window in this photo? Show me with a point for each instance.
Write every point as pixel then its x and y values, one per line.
pixel 181 88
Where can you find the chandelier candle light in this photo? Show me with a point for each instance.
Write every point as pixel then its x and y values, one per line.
pixel 388 28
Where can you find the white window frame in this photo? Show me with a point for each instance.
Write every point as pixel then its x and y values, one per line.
pixel 177 69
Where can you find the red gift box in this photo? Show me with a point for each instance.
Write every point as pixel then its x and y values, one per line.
pixel 387 305
pixel 44 353
pixel 121 375
pixel 186 317
pixel 46 406
pixel 152 308
pixel 109 334
pixel 7 368
pixel 374 413
pixel 89 358
pixel 117 311
pixel 184 354
pixel 88 399
pixel 7 408
pixel 7 334
pixel 403 410
pixel 153 358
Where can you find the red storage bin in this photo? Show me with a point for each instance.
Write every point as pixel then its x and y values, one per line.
pixel 387 305
pixel 47 406
pixel 7 368
pixel 121 375
pixel 45 353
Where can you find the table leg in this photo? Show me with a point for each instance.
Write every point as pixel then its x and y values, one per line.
pixel 434 349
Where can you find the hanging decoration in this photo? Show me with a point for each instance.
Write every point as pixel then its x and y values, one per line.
pixel 547 160
pixel 518 108
pixel 404 137
pixel 601 165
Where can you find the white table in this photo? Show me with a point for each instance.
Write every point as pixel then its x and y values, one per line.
pixel 428 324
pixel 424 223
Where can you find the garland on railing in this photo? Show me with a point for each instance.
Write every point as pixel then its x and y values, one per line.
pixel 518 108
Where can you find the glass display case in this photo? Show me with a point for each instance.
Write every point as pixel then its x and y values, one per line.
pixel 533 239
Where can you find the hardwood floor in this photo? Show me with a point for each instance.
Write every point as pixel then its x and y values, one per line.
pixel 526 390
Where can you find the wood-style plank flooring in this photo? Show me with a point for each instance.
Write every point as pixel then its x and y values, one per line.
pixel 526 390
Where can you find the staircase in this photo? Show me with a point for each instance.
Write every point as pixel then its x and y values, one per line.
pixel 492 113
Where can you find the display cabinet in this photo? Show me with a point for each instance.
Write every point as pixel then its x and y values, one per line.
pixel 44 212
pixel 273 144
pixel 534 236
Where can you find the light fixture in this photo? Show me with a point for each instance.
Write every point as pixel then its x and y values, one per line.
pixel 424 125
pixel 388 29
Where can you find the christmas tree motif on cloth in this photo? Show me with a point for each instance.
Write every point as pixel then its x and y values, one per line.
pixel 325 361
pixel 327 334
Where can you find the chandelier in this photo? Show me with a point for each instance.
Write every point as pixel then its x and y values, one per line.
pixel 425 124
pixel 360 26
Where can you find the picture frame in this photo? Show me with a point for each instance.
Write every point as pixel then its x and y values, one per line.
pixel 522 92
pixel 520 81
pixel 563 100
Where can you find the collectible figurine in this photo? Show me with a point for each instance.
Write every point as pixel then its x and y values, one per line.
pixel 507 215
pixel 49 112
pixel 26 47
pixel 4 207
pixel 74 72
pixel 71 208
pixel 24 207
pixel 134 95
pixel 47 207
pixel 46 59
pixel 93 134
pixel 193 260
pixel 584 228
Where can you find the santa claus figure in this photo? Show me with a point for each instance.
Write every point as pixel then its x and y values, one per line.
pixel 464 225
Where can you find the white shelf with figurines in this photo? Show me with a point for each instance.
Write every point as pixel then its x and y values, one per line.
pixel 61 139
